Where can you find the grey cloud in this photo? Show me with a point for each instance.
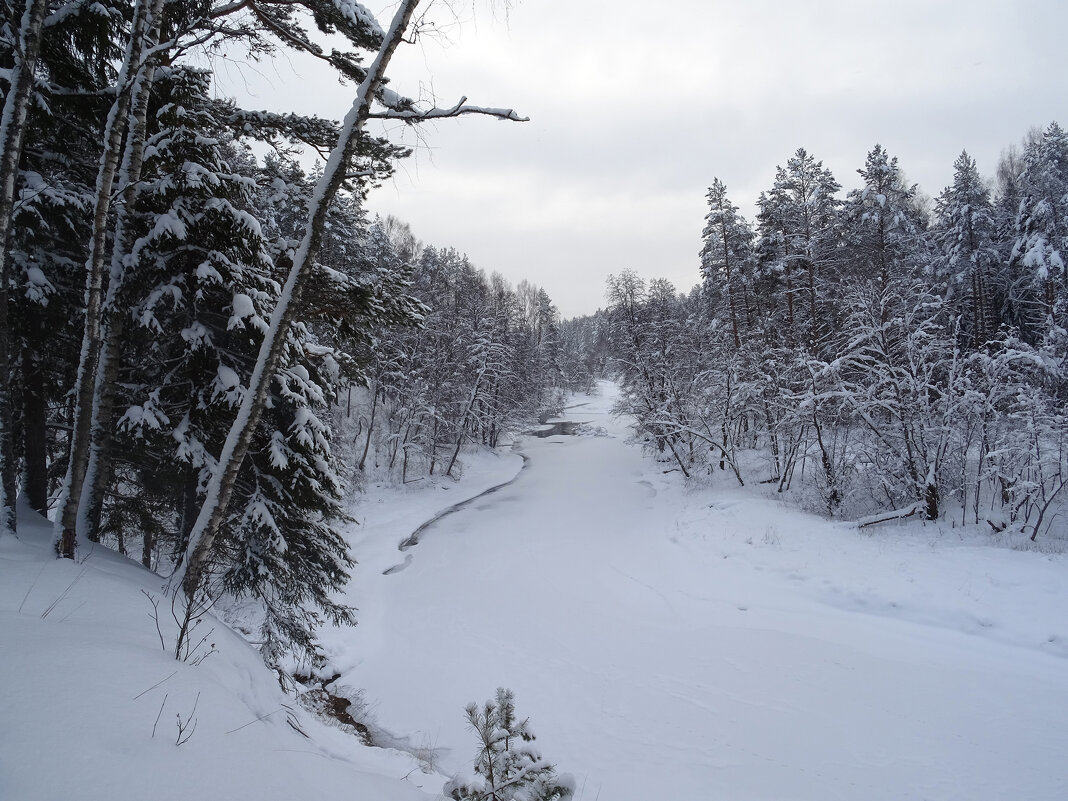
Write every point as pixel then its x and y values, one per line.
pixel 636 107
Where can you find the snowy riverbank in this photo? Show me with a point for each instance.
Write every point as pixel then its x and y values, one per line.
pixel 679 643
pixel 667 642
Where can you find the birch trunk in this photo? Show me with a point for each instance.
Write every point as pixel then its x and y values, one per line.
pixel 98 470
pixel 85 382
pixel 12 133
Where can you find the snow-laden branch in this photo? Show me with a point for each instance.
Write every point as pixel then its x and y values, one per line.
pixel 414 115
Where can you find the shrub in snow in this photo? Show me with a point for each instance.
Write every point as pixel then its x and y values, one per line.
pixel 508 767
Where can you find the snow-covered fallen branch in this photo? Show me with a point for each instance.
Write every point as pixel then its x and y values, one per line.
pixel 884 517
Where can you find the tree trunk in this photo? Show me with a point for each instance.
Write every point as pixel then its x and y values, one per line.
pixel 12 132
pixel 930 501
pixel 370 428
pixel 34 433
pixel 433 445
pixel 84 385
pixel 99 468
pixel 148 546
pixel 192 571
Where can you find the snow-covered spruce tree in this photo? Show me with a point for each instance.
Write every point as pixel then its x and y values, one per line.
pixel 797 248
pixel 726 254
pixel 50 233
pixel 507 767
pixel 969 259
pixel 199 291
pixel 1038 292
pixel 883 228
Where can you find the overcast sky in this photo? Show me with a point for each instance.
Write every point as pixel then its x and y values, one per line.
pixel 635 107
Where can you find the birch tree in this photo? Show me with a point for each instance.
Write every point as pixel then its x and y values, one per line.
pixel 192 572
pixel 25 47
pixel 144 29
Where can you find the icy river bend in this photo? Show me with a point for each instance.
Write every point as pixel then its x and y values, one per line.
pixel 707 644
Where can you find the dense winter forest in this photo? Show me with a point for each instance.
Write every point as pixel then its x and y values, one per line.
pixel 150 230
pixel 213 352
pixel 882 353
pixel 885 355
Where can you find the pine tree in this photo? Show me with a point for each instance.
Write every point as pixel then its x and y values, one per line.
pixel 725 256
pixel 797 227
pixel 1039 275
pixel 883 227
pixel 507 767
pixel 970 258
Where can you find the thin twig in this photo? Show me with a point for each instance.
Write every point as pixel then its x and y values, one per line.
pixel 155 616
pixel 257 720
pixel 154 686
pixel 160 713
pixel 27 595
pixel 62 595
pixel 184 732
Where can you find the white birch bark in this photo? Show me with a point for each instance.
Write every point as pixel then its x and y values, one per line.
pixel 97 470
pixel 12 133
pixel 71 490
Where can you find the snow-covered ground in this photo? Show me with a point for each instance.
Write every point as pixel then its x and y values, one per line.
pixel 668 642
pixel 90 703
pixel 672 643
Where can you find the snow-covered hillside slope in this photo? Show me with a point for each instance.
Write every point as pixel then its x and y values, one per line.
pixel 90 703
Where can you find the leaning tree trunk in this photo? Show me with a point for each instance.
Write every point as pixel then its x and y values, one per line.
pixel 85 382
pixel 191 573
pixel 12 133
pixel 370 428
